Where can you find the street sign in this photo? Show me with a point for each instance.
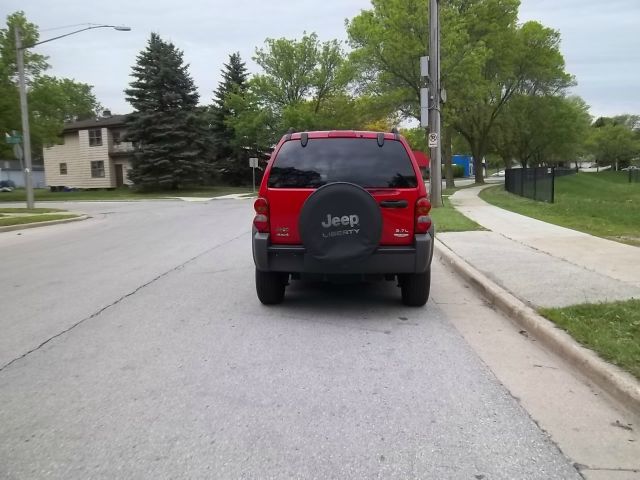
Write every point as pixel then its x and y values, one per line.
pixel 253 163
pixel 424 107
pixel 14 139
pixel 424 67
pixel 433 140
pixel 17 151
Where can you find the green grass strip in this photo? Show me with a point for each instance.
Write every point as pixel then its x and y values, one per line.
pixel 30 210
pixel 448 219
pixel 19 195
pixel 22 220
pixel 602 204
pixel 610 329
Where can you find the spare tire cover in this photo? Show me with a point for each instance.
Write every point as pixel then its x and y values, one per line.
pixel 340 222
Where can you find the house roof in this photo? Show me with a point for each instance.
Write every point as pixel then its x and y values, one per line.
pixel 112 121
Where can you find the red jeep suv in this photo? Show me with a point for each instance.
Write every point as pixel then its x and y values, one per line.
pixel 343 205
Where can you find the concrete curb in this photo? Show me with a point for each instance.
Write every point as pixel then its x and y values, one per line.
pixel 11 228
pixel 621 385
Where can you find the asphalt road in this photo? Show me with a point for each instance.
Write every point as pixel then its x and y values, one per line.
pixel 132 345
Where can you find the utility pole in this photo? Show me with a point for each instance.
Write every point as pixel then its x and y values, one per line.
pixel 24 112
pixel 435 140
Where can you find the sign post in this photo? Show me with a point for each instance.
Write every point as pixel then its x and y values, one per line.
pixel 253 163
pixel 435 173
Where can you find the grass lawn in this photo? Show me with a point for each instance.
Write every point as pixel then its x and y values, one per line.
pixel 22 219
pixel 610 329
pixel 30 210
pixel 19 195
pixel 603 204
pixel 448 219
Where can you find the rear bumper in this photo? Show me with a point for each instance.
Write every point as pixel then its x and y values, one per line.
pixel 385 260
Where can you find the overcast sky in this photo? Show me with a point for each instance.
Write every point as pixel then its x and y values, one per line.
pixel 600 40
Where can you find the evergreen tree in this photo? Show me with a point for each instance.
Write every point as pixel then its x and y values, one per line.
pixel 231 162
pixel 166 124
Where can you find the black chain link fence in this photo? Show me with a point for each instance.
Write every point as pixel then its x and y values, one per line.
pixel 535 183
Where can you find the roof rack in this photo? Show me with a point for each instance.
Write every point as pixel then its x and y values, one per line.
pixel 395 132
pixel 289 133
pixel 304 139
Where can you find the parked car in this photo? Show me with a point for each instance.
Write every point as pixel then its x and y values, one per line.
pixel 7 185
pixel 343 205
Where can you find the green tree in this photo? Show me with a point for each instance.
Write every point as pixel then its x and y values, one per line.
pixel 34 63
pixel 167 125
pixel 632 122
pixel 613 144
pixel 486 59
pixel 301 71
pixel 52 101
pixel 231 162
pixel 303 85
pixel 546 129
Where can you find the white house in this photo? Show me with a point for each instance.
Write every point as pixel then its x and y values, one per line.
pixel 92 155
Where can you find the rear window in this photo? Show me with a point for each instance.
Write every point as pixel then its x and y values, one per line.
pixel 355 160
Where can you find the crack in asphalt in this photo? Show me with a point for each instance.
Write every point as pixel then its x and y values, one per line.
pixel 122 298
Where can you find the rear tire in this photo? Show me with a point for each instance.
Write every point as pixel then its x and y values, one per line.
pixel 415 288
pixel 270 287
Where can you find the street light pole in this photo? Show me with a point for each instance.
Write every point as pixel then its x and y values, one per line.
pixel 24 109
pixel 435 182
pixel 24 112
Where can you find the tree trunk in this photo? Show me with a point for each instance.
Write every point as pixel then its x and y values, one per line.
pixel 477 153
pixel 446 152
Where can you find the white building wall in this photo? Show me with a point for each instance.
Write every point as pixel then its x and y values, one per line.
pixel 88 154
pixel 65 153
pixel 120 159
pixel 78 155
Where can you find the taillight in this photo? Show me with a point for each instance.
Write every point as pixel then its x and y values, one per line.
pixel 261 220
pixel 423 220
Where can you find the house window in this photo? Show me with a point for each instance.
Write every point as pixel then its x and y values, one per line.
pixel 97 169
pixel 116 137
pixel 63 169
pixel 95 137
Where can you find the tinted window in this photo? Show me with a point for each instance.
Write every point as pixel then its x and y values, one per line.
pixel 355 160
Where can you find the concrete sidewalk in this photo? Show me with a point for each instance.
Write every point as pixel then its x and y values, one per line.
pixel 541 264
pixel 520 264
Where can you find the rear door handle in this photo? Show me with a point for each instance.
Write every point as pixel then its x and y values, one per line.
pixel 394 204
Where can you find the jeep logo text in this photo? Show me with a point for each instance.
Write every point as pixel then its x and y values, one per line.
pixel 345 220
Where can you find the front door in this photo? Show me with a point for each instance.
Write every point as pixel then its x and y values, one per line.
pixel 119 175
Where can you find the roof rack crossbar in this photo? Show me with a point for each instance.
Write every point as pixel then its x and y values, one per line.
pixel 289 133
